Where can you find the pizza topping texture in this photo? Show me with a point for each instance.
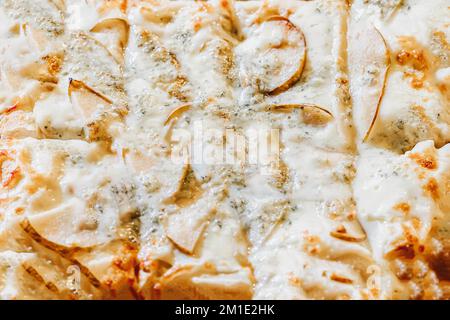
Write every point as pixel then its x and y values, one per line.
pixel 155 149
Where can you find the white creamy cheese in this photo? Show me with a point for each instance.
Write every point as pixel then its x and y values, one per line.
pixel 224 149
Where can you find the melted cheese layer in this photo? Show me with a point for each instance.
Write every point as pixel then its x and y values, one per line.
pixel 115 172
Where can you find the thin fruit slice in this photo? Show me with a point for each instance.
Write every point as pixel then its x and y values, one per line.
pixel 311 113
pixel 170 122
pixel 62 229
pixel 273 57
pixel 113 34
pixel 87 58
pixel 86 99
pixel 395 8
pixel 347 237
pixel 369 59
pixel 230 13
pixel 189 189
pixel 98 111
pixel 186 225
pixel 104 263
pixel 175 114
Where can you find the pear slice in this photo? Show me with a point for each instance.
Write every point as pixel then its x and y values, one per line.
pixel 369 60
pixel 63 228
pixel 160 14
pixel 85 98
pixel 170 122
pixel 230 12
pixel 113 33
pixel 185 227
pixel 347 237
pixel 187 223
pixel 273 57
pixel 394 10
pixel 189 189
pixel 176 113
pixel 102 262
pixel 91 105
pixel 87 58
pixel 46 67
pixel 312 114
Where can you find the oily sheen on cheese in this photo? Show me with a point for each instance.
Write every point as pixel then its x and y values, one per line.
pixel 116 119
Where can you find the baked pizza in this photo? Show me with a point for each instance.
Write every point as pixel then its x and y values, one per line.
pixel 276 149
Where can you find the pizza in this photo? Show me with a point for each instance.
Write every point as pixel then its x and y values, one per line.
pixel 277 149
